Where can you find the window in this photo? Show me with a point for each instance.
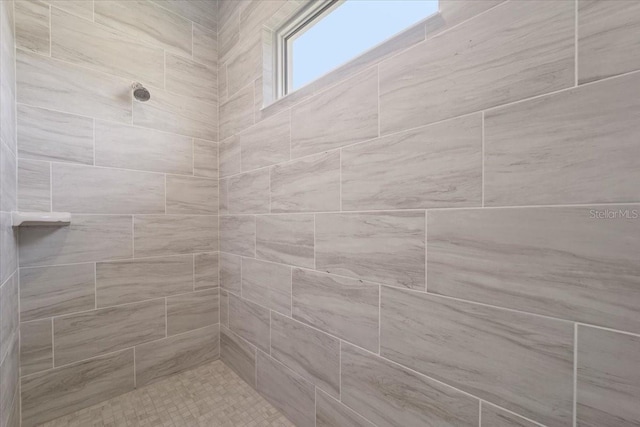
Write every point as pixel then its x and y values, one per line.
pixel 328 34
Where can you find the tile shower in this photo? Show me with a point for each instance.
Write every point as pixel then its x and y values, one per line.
pixel 443 232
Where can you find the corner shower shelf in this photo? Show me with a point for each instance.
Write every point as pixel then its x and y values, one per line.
pixel 26 219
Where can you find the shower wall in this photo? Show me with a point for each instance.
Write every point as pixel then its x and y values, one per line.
pixel 444 231
pixel 128 292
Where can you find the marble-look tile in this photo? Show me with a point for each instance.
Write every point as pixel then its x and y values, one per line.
pixel 521 362
pixel 56 290
pixel 88 334
pixel 346 308
pixel 344 114
pixel 34 186
pixel 191 78
pixel 205 271
pixel 223 94
pixel 429 167
pixel 85 43
pixel 141 20
pixel 32 26
pixel 51 394
pixel 290 394
pixel 9 75
pixel 391 395
pixel 332 413
pixel 87 238
pixel 224 307
pixel 122 282
pixel 228 37
pixel 236 114
pixel 191 195
pixel 177 113
pixel 81 8
pixel 267 284
pixel 9 314
pixel 531 55
pixel 223 196
pixel 36 347
pixel 8 185
pixel 311 184
pixel 230 273
pixel 50 135
pixel 230 156
pixel 9 378
pixel 244 64
pixel 131 147
pixel 287 239
pixel 57 85
pixel 560 261
pixel 250 321
pixel 205 46
pixel 308 352
pixel 608 381
pixel 607 38
pixel 266 143
pixel 8 247
pixel 578 146
pixel 203 12
pixel 249 193
pixel 492 416
pixel 238 355
pixel 256 15
pixel 230 9
pixel 86 189
pixel 156 235
pixel 238 235
pixel 159 359
pixel 457 11
pixel 194 310
pixel 205 158
pixel 386 247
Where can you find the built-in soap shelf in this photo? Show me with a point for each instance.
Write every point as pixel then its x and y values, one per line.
pixel 26 219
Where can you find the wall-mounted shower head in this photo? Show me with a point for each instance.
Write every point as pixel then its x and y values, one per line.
pixel 140 92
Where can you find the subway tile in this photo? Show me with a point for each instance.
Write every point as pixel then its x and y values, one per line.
pixel 332 413
pixel 56 290
pixel 267 284
pixel 9 377
pixel 131 147
pixel 386 247
pixel 205 158
pixel 86 189
pixel 224 308
pixel 81 8
pixel 8 185
pixel 85 43
pixel 87 238
pixel 607 39
pixel 191 78
pixel 531 55
pixel 266 143
pixel 191 195
pixel 559 262
pixel 230 273
pixel 238 235
pixel 311 354
pixel 205 46
pixel 238 355
pixel 9 315
pixel 521 362
pixel 230 156
pixel 307 185
pixel 141 20
pixel 236 114
pixel 57 85
pixel 495 417
pixel 391 395
pixel 194 310
pixel 343 115
pixel 177 113
pixel 205 271
pixel 290 394
pixel 429 167
pixel 608 380
pixel 51 394
pixel 160 359
pixel 578 146
pixel 88 334
pixel 123 282
pixel 244 64
pixel 203 12
pixel 286 239
pixel 32 26
pixel 249 321
pixel 249 193
pixel 36 347
pixel 34 186
pixel 346 308
pixel 156 235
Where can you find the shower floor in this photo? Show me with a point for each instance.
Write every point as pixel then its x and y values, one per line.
pixel 211 395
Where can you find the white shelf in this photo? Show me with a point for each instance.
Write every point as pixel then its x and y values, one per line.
pixel 26 219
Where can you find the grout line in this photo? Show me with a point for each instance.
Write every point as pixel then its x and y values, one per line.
pixel 575 43
pixel 575 373
pixel 483 156
pixel 480 414
pixel 95 284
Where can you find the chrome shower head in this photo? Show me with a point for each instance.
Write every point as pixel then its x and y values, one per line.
pixel 140 92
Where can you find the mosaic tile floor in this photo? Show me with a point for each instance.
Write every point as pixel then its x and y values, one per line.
pixel 211 395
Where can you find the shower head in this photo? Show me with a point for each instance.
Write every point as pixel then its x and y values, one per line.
pixel 140 92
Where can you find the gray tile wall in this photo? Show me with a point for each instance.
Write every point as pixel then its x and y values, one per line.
pixel 134 279
pixel 443 231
